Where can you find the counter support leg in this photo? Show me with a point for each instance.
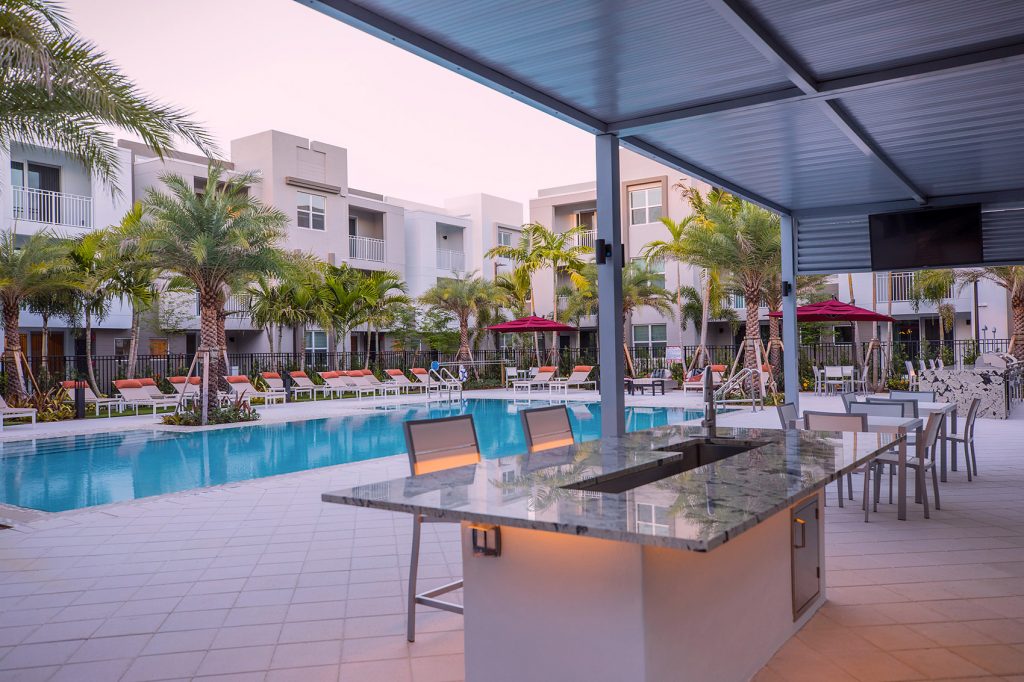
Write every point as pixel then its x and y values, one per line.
pixel 901 480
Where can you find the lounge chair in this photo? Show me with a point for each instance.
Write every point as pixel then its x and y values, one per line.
pixel 304 383
pixel 399 379
pixel 352 381
pixel 275 384
pixel 696 382
pixel 333 383
pixel 90 397
pixel 543 378
pixel 152 388
pixel 366 379
pixel 421 376
pixel 578 379
pixel 241 386
pixel 186 386
pixel 15 413
pixel 135 394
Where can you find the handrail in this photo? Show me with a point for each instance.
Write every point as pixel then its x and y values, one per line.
pixel 747 376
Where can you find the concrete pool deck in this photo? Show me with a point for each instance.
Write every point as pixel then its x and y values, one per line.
pixel 260 580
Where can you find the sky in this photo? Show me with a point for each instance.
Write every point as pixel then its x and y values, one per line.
pixel 413 130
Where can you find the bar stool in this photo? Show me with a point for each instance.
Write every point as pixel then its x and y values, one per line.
pixel 546 427
pixel 832 421
pixel 435 445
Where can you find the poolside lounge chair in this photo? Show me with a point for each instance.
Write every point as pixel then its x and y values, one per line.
pixel 304 383
pixel 275 384
pixel 152 388
pixel 366 378
pixel 240 385
pixel 333 384
pixel 186 386
pixel 352 381
pixel 15 413
pixel 90 397
pixel 422 376
pixel 135 394
pixel 402 381
pixel 578 379
pixel 543 378
pixel 696 382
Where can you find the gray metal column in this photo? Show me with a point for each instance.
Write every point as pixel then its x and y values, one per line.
pixel 609 287
pixel 790 340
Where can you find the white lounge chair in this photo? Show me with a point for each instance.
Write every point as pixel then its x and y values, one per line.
pixel 153 389
pixel 304 383
pixel 366 379
pixel 241 386
pixel 422 376
pixel 579 378
pixel 543 378
pixel 186 386
pixel 402 381
pixel 275 384
pixel 696 382
pixel 90 397
pixel 7 412
pixel 353 383
pixel 135 394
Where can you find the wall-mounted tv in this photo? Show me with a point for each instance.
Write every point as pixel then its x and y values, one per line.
pixel 927 238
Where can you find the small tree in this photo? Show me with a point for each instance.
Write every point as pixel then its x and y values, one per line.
pixel 464 298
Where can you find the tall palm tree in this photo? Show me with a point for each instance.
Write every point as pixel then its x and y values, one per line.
pixel 341 300
pixel 131 274
pixel 640 289
pixel 517 286
pixel 29 266
pixel 214 240
pixel 465 298
pixel 747 244
pixel 934 287
pixel 48 304
pixel 59 90
pixel 1011 278
pixel 527 257
pixel 562 253
pixel 807 286
pixel 384 293
pixel 266 307
pixel 91 264
pixel 676 249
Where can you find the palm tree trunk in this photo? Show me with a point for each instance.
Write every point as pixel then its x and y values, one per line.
pixel 46 341
pixel 774 339
pixel 369 335
pixel 270 338
pixel 752 299
pixel 12 350
pixel 554 334
pixel 90 370
pixel 464 353
pixel 679 303
pixel 1017 313
pixel 705 316
pixel 133 343
pixel 300 345
pixel 211 337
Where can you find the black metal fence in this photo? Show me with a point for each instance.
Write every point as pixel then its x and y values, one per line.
pixel 488 365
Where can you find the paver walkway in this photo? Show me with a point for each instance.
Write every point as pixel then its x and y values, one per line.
pixel 259 580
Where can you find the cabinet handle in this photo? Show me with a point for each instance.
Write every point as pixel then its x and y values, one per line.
pixel 803 533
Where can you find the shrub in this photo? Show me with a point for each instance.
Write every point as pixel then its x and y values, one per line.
pixel 897 383
pixel 232 413
pixel 678 372
pixel 50 406
pixel 970 352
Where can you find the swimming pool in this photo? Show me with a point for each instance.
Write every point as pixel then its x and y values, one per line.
pixel 58 474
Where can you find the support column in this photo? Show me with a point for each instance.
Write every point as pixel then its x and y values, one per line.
pixel 790 335
pixel 609 287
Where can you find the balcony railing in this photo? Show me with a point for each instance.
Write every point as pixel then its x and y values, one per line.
pixel 586 238
pixel 451 260
pixel 236 304
pixel 898 287
pixel 739 302
pixel 366 248
pixel 53 208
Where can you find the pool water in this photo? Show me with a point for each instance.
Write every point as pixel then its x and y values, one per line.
pixel 58 474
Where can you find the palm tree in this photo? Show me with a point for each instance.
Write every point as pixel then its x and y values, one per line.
pixel 527 258
pixel 562 252
pixel 132 274
pixel 60 91
pixel 383 293
pixel 693 306
pixel 676 249
pixel 464 298
pixel 1011 278
pixel 214 240
pixel 807 286
pixel 517 286
pixel 47 305
pixel 935 287
pixel 747 244
pixel 31 266
pixel 266 307
pixel 640 289
pixel 92 266
pixel 341 300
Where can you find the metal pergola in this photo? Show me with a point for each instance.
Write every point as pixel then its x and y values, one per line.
pixel 822 111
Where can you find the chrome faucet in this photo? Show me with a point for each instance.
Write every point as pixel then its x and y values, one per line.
pixel 710 416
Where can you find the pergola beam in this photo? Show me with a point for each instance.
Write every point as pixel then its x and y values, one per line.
pixel 1009 198
pixel 765 42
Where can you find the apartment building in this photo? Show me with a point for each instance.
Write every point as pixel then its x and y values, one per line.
pixel 306 179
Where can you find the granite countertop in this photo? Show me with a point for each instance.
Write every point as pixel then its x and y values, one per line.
pixel 695 510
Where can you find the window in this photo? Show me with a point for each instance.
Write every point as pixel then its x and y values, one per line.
pixel 587 219
pixel 121 347
pixel 158 346
pixel 651 519
pixel 506 237
pixel 353 225
pixel 644 205
pixel 310 210
pixel 316 341
pixel 508 479
pixel 657 269
pixel 650 337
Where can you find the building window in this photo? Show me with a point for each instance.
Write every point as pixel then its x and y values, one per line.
pixel 121 347
pixel 657 269
pixel 158 347
pixel 311 210
pixel 316 341
pixel 651 519
pixel 506 237
pixel 586 219
pixel 650 337
pixel 644 205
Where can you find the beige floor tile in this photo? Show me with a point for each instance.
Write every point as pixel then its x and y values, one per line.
pixel 1000 659
pixel 938 663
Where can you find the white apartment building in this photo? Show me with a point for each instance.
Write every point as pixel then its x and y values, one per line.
pixel 306 179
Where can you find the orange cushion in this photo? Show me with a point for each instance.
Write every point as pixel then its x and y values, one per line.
pixel 176 380
pixel 366 372
pixel 195 381
pixel 147 381
pixel 127 383
pixel 717 368
pixel 271 375
pixel 582 368
pixel 547 369
pixel 418 370
pixel 766 367
pixel 298 374
pixel 74 384
pixel 394 372
pixel 237 379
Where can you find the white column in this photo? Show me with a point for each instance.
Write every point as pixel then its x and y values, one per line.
pixel 790 337
pixel 609 287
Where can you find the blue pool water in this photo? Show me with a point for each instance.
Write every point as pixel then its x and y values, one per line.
pixel 57 474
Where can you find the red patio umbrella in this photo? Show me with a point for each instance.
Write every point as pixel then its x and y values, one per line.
pixel 532 323
pixel 835 311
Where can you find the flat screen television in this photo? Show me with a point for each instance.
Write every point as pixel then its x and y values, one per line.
pixel 928 238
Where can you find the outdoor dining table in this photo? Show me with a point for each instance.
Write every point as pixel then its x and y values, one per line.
pixel 903 426
pixel 948 426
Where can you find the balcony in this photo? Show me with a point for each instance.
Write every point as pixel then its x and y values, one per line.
pixel 454 261
pixel 586 239
pixel 366 248
pixel 898 287
pixel 53 208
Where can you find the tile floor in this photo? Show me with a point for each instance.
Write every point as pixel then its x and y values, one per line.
pixel 261 581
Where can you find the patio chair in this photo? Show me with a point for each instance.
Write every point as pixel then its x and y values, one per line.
pixel 819 379
pixel 787 415
pixel 242 387
pixel 578 379
pixel 967 439
pixel 511 375
pixel 340 383
pixel 422 376
pixel 909 406
pixel 390 387
pixel 546 428
pixel 275 384
pixel 925 396
pixel 186 386
pixel 832 421
pixel 153 389
pixel 861 381
pixel 665 374
pixel 835 379
pixel 848 399
pixel 912 378
pixel 134 394
pixel 7 412
pixel 90 397
pixel 399 379
pixel 926 451
pixel 696 382
pixel 873 409
pixel 543 378
pixel 333 383
pixel 435 445
pixel 302 382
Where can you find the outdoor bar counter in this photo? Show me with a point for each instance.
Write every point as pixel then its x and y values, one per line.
pixel 674 553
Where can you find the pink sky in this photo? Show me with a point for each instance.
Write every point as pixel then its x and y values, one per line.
pixel 413 130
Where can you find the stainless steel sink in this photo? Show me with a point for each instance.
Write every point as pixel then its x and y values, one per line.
pixel 692 454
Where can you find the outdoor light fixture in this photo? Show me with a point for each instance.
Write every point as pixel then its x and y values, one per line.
pixel 486 539
pixel 787 288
